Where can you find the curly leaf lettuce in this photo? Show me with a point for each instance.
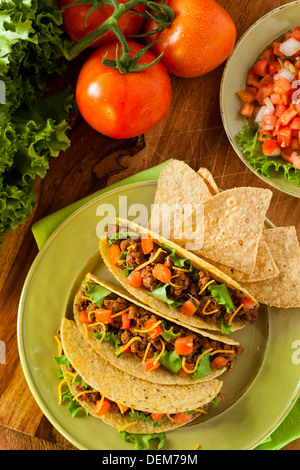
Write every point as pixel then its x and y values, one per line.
pixel 252 149
pixel 32 129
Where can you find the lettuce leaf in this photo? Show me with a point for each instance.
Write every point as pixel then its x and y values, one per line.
pixel 32 128
pixel 142 441
pixel 171 361
pixel 96 293
pixel 252 149
pixel 222 296
pixel 203 368
pixel 161 293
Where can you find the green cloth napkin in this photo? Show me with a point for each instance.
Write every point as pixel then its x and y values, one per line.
pixel 289 429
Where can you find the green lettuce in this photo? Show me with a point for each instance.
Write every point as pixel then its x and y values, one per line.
pixel 160 293
pixel 142 441
pixel 32 127
pixel 252 149
pixel 96 293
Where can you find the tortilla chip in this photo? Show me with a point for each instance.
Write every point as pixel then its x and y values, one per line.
pixel 233 224
pixel 179 188
pixel 209 180
pixel 129 362
pixel 265 266
pixel 123 388
pixel 284 290
pixel 174 314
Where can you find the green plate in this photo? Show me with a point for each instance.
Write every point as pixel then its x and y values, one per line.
pixel 261 34
pixel 259 391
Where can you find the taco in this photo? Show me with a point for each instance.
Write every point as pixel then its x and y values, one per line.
pixel 173 281
pixel 137 339
pixel 123 401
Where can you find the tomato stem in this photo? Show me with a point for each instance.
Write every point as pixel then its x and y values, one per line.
pixel 161 13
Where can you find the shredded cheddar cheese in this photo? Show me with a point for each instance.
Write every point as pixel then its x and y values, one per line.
pixel 146 352
pixel 120 313
pixel 123 348
pixel 59 390
pixel 234 314
pixel 227 351
pixel 200 410
pixel 85 297
pixel 161 352
pixel 205 307
pixel 100 404
pixel 102 337
pixel 59 345
pixel 148 329
pixel 205 287
pixel 159 251
pixel 197 362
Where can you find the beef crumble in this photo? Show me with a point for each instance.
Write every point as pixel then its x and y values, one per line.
pixel 185 284
pixel 138 316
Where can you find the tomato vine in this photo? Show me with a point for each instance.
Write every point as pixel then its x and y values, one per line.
pixel 161 13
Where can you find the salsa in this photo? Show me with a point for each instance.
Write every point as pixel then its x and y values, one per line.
pixel 271 98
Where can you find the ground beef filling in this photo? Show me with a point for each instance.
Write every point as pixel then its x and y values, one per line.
pixel 138 316
pixel 187 284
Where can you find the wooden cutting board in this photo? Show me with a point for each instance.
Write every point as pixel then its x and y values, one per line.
pixel 192 131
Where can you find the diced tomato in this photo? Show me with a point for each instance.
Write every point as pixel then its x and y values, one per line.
pixel 274 67
pixel 264 135
pixel 135 279
pixel 114 254
pixel 279 110
pixel 103 315
pixel 264 92
pixel 147 244
pixel 276 49
pixel 125 321
pixel 149 365
pixel 247 303
pixel 268 54
pixel 269 146
pixel 295 34
pixel 284 137
pixel 275 98
pixel 162 273
pixel 181 418
pixel 156 416
pixel 190 307
pixel 261 67
pixel 246 96
pixel 84 318
pixel 295 160
pixel 282 86
pixel 183 372
pixel 184 345
pixel 149 324
pixel 247 110
pixel 218 362
pixel 268 121
pixel 266 80
pixel 295 124
pixel 297 106
pixel 104 407
pixel 295 144
pixel 123 408
pixel 287 116
pixel 297 63
pixel 252 79
pixel 127 351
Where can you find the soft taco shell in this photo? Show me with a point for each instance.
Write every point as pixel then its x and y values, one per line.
pixel 130 391
pixel 129 362
pixel 161 307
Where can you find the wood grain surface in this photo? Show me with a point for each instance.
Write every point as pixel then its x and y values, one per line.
pixel 192 131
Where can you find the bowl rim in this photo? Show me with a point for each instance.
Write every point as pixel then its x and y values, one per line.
pixel 221 97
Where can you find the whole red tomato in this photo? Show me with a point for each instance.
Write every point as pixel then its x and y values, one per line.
pixel 200 38
pixel 77 27
pixel 122 105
